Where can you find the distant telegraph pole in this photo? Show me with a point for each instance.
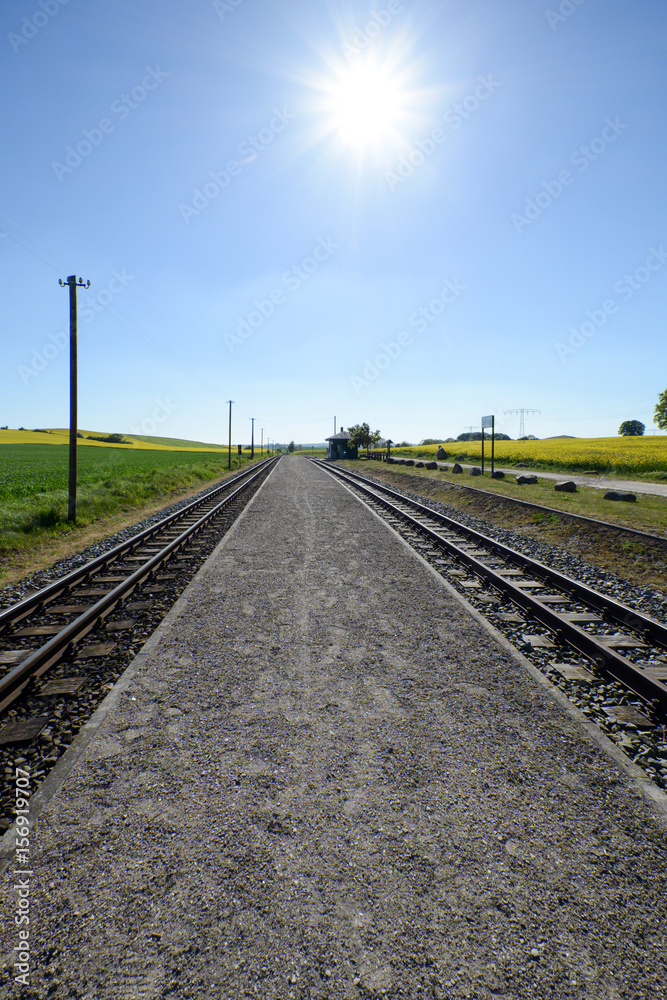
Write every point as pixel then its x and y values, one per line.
pixel 521 427
pixel 229 450
pixel 252 438
pixel 73 284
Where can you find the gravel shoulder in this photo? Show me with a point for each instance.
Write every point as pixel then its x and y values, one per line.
pixel 326 780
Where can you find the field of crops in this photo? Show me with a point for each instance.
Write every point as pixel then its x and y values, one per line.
pixel 627 455
pixel 32 469
pixel 90 439
pixel 111 483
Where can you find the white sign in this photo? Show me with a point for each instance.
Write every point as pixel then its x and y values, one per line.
pixel 487 422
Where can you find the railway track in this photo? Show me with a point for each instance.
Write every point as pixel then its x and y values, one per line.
pixel 63 647
pixel 609 658
pixel 563 515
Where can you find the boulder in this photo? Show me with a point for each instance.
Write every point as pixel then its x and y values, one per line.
pixel 419 465
pixel 409 461
pixel 498 474
pixel 444 468
pixel 431 465
pixel 475 471
pixel 590 472
pixel 566 487
pixel 520 465
pixel 525 480
pixel 390 460
pixel 456 468
pixel 441 453
pixel 620 495
pixel 459 458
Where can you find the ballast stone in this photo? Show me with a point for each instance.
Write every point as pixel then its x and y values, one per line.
pixel 620 495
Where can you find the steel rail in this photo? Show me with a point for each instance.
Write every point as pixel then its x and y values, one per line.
pixel 594 521
pixel 604 659
pixel 17 612
pixel 56 648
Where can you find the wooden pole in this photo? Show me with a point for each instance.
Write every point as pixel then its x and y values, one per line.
pixel 229 448
pixel 73 400
pixel 73 392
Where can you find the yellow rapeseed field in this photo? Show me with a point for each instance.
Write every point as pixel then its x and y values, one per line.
pixel 61 436
pixel 618 454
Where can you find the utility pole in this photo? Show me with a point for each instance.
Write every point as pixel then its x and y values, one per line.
pixel 521 411
pixel 252 438
pixel 229 449
pixel 261 453
pixel 73 415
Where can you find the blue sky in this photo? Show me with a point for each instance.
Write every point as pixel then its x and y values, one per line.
pixel 481 227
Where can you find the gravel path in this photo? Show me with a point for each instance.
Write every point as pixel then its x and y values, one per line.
pixel 325 780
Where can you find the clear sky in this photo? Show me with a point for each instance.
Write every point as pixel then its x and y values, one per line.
pixel 407 213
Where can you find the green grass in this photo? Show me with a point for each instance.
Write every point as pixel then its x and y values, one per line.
pixel 648 514
pixel 34 485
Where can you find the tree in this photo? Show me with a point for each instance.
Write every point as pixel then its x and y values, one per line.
pixel 660 417
pixel 363 437
pixel 631 428
pixel 290 447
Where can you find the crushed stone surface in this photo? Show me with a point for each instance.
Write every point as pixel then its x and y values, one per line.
pixel 326 780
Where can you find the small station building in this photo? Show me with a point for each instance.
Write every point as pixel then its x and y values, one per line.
pixel 340 447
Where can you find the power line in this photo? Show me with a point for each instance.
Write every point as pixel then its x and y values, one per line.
pixel 522 412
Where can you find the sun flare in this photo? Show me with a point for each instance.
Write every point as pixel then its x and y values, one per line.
pixel 365 106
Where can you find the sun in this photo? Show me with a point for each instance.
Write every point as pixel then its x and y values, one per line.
pixel 366 105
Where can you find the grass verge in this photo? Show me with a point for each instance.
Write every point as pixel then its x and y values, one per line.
pixel 34 528
pixel 641 561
